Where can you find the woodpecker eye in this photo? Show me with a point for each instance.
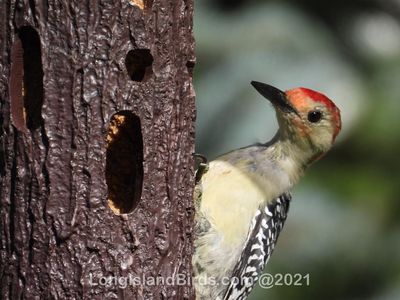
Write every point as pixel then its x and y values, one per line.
pixel 314 116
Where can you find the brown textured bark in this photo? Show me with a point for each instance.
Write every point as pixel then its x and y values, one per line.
pixel 81 84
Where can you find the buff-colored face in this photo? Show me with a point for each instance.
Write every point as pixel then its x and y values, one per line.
pixel 316 118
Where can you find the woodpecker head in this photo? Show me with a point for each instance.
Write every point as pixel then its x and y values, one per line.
pixel 307 117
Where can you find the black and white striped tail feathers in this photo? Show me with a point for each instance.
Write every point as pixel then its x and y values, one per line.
pixel 263 234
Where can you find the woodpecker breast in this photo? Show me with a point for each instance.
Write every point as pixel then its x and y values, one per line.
pixel 233 194
pixel 263 235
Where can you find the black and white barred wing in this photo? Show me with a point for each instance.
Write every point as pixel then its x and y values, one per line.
pixel 261 240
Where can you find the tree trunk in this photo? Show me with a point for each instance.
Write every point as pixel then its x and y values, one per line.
pixel 96 142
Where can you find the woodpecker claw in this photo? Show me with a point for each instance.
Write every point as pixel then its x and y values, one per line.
pixel 201 157
pixel 202 166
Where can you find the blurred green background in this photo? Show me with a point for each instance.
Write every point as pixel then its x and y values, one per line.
pixel 344 224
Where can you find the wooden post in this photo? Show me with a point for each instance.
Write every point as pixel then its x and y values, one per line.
pixel 96 140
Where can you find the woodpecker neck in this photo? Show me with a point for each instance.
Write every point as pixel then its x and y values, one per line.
pixel 275 166
pixel 292 154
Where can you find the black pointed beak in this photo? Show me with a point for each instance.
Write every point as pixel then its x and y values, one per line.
pixel 275 96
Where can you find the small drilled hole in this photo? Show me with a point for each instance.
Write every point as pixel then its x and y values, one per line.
pixel 148 4
pixel 26 80
pixel 124 165
pixel 190 66
pixel 138 63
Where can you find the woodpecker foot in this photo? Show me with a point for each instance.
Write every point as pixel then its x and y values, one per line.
pixel 201 165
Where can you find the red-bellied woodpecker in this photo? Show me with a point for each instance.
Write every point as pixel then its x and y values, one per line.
pixel 242 198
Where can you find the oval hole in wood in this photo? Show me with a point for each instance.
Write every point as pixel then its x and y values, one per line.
pixel 26 80
pixel 124 162
pixel 138 63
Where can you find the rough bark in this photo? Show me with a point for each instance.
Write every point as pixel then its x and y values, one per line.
pixel 96 142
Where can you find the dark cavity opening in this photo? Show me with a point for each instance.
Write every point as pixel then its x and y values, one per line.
pixel 138 63
pixel 148 4
pixel 26 80
pixel 190 66
pixel 124 164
